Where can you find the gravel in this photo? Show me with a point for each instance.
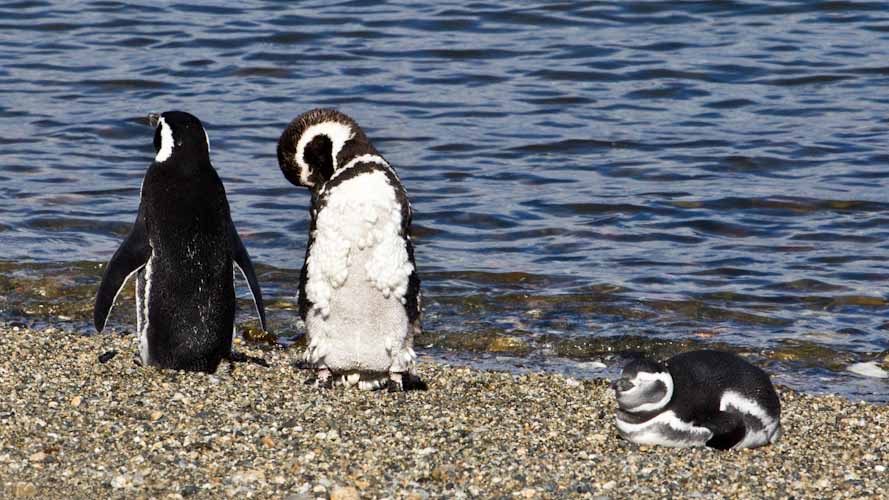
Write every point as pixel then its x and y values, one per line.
pixel 73 427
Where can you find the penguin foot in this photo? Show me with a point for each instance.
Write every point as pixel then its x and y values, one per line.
pixel 399 382
pixel 322 379
pixel 239 357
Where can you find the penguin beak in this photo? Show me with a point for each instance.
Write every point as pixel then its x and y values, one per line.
pixel 153 119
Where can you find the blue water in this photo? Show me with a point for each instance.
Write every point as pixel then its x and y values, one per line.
pixel 583 174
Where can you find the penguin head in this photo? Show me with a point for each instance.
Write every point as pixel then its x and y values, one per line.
pixel 318 143
pixel 643 386
pixel 179 135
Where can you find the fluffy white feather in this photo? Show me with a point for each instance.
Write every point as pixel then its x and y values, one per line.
pixel 358 272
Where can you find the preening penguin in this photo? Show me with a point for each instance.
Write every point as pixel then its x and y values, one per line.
pixel 701 398
pixel 181 249
pixel 359 293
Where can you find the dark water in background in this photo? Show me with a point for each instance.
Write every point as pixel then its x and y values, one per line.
pixel 588 178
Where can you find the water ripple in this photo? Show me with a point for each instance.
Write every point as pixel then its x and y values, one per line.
pixel 588 177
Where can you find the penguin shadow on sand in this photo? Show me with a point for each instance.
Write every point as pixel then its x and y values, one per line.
pixel 700 398
pixel 182 250
pixel 359 292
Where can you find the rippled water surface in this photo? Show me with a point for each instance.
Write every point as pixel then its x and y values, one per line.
pixel 589 179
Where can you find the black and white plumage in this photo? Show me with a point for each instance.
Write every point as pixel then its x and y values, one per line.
pixel 181 248
pixel 701 398
pixel 359 293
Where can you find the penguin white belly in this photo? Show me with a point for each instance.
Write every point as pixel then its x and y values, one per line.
pixel 143 289
pixel 364 331
pixel 666 429
pixel 357 278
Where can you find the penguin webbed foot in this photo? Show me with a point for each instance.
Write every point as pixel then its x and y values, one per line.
pixel 322 378
pixel 404 382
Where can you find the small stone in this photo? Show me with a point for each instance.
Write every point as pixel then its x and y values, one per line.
pixel 600 438
pixel 24 490
pixel 248 476
pixel 267 442
pixel 418 495
pixel 155 416
pixel 528 493
pixel 119 482
pixel 37 457
pixel 609 485
pixel 76 400
pixel 442 473
pixel 361 484
pixel 344 493
pixel 880 468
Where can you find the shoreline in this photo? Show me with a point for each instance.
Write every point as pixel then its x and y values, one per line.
pixel 70 426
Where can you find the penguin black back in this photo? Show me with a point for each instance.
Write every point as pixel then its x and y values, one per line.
pixel 720 370
pixel 181 248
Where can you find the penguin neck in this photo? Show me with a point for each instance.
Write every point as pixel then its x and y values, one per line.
pixel 187 166
pixel 342 172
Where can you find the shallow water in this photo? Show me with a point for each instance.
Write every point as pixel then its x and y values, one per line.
pixel 589 179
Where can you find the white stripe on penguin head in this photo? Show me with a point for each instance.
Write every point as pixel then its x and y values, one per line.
pixel 645 378
pixel 338 133
pixel 166 149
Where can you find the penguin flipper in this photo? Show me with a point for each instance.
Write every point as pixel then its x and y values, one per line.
pixel 242 260
pixel 728 429
pixel 131 256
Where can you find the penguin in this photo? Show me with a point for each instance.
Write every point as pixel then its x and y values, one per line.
pixel 359 293
pixel 700 398
pixel 181 249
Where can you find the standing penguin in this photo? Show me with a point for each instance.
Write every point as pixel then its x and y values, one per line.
pixel 701 398
pixel 181 249
pixel 359 293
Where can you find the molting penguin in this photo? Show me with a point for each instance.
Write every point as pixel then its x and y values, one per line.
pixel 700 398
pixel 359 293
pixel 181 249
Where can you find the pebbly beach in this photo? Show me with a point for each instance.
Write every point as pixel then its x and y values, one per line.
pixel 73 427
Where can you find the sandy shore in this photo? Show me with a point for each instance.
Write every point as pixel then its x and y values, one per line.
pixel 72 427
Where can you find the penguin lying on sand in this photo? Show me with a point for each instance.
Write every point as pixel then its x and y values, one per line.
pixel 181 249
pixel 359 293
pixel 701 398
